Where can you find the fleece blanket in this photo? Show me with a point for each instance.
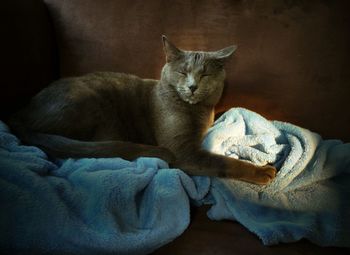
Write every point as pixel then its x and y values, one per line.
pixel 309 198
pixel 103 206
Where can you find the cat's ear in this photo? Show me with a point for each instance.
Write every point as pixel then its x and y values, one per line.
pixel 171 52
pixel 224 53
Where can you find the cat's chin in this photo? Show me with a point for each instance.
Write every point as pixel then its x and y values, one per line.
pixel 191 100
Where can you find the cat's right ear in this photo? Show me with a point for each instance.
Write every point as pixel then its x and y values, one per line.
pixel 171 52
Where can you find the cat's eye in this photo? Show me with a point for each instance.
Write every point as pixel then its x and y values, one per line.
pixel 182 73
pixel 205 75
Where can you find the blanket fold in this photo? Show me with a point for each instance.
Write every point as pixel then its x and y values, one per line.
pixel 102 206
pixel 90 206
pixel 309 196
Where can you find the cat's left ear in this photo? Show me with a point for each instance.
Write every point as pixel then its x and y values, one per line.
pixel 224 53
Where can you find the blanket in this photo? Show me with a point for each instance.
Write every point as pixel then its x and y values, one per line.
pixel 103 206
pixel 89 206
pixel 309 196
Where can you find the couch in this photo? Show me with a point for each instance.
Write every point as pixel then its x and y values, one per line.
pixel 291 64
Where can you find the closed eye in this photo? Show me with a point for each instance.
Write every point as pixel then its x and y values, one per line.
pixel 205 75
pixel 182 73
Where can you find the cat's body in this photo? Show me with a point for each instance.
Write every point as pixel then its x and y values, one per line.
pixel 113 114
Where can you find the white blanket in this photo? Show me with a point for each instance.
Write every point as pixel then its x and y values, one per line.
pixel 309 196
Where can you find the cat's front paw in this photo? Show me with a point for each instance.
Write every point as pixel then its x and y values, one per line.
pixel 265 174
pixel 261 175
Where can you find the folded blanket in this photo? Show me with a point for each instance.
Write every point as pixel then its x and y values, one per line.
pixel 100 206
pixel 309 196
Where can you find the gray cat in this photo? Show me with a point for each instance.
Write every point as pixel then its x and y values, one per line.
pixel 109 114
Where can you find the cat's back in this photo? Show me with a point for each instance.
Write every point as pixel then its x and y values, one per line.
pixel 94 88
pixel 71 105
pixel 102 82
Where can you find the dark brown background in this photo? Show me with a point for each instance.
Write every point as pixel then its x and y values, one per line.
pixel 292 63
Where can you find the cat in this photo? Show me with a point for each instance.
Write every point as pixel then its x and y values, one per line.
pixel 106 114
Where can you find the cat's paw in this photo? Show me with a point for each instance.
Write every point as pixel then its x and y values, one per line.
pixel 265 174
pixel 261 175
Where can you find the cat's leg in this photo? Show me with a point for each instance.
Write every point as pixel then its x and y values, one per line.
pixel 199 162
pixel 63 147
pixel 95 145
pixel 195 161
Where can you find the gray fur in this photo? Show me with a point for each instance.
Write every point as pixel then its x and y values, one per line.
pixel 113 114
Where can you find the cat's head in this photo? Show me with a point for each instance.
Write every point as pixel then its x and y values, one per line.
pixel 195 75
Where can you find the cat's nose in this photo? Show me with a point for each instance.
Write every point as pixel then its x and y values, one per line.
pixel 193 87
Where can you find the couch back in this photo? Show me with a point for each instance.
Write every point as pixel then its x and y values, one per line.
pixel 291 64
pixel 28 53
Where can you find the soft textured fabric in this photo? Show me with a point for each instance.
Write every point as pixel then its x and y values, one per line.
pixel 92 206
pixel 309 198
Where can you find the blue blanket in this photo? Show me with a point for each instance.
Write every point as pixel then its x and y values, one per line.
pixel 100 206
